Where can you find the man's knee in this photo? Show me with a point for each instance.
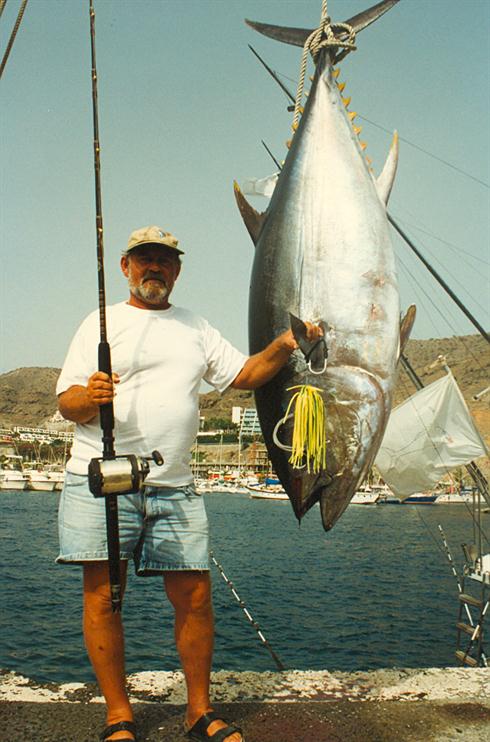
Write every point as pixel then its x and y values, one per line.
pixel 97 603
pixel 189 591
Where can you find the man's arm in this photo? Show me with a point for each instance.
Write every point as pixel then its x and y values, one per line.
pixel 80 404
pixel 262 367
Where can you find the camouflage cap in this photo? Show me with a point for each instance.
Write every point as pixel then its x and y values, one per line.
pixel 152 236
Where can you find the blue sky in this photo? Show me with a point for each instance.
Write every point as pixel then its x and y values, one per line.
pixel 183 105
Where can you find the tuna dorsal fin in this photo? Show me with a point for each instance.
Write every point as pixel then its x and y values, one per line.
pixel 406 325
pixel 385 180
pixel 298 36
pixel 254 220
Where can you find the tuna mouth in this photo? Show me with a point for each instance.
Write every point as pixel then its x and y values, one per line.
pixel 355 415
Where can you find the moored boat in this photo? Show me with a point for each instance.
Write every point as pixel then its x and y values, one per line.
pixel 420 498
pixel 39 480
pixel 267 492
pixel 13 480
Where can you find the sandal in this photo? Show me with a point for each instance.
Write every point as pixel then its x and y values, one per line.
pixel 121 726
pixel 199 731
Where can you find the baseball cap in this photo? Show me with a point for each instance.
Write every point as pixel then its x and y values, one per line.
pixel 152 236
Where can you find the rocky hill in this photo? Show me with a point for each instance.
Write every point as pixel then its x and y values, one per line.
pixel 27 395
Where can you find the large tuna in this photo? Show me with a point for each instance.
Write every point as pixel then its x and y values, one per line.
pixel 324 254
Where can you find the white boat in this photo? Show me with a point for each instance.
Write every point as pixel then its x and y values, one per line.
pixel 58 477
pixel 365 496
pixel 267 492
pixel 39 480
pixel 13 480
pixel 454 498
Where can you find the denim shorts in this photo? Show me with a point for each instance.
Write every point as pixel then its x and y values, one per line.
pixel 160 528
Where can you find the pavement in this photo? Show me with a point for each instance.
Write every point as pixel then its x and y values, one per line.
pixel 430 705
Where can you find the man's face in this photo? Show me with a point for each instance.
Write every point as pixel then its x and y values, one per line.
pixel 151 272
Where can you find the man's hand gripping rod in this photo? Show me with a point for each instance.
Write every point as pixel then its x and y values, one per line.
pixel 110 475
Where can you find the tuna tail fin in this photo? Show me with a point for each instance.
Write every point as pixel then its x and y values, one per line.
pixel 406 325
pixel 298 36
pixel 254 220
pixel 385 180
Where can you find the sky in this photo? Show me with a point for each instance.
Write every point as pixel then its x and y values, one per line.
pixel 183 107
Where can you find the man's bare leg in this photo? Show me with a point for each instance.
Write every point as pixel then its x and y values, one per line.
pixel 190 595
pixel 104 640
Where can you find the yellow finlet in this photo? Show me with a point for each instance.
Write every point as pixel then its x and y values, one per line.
pixel 357 129
pixel 294 125
pixel 346 101
pixel 352 115
pixel 363 145
pixel 341 86
pixel 288 143
pixel 336 73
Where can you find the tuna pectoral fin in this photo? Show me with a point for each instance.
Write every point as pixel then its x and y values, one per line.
pixel 385 180
pixel 315 352
pixel 406 326
pixel 254 220
pixel 298 36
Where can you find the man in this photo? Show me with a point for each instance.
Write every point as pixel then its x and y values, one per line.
pixel 160 354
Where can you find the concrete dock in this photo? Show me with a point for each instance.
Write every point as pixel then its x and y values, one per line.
pixel 430 705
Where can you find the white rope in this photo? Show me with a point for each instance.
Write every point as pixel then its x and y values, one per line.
pixel 327 34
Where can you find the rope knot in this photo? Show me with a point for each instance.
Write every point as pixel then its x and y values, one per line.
pixel 328 35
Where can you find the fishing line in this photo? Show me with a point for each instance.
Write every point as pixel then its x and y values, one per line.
pixel 427 152
pixel 459 338
pixel 438 310
pixel 456 248
pixel 444 267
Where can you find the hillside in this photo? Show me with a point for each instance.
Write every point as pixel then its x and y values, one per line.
pixel 27 395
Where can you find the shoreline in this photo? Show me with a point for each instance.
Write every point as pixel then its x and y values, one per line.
pixel 288 686
pixel 434 704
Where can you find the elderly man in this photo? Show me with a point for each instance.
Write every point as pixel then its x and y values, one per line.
pixel 160 354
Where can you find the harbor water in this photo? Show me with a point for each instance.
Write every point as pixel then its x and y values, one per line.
pixel 375 592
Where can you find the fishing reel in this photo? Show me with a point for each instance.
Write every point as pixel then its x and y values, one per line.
pixel 121 475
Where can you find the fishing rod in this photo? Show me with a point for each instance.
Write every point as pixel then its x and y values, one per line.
pixel 392 221
pixel 111 475
pixel 13 34
pixel 247 613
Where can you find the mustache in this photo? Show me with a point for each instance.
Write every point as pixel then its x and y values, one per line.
pixel 151 276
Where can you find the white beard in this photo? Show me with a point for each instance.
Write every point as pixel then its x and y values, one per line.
pixel 150 292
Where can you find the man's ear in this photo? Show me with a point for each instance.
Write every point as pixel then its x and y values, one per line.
pixel 124 265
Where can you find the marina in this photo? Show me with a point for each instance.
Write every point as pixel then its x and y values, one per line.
pixel 267 557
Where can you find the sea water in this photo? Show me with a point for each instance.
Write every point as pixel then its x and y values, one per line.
pixel 374 592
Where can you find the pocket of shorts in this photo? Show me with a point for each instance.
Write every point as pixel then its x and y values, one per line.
pixel 75 480
pixel 190 491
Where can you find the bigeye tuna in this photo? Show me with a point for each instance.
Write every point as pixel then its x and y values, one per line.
pixel 324 254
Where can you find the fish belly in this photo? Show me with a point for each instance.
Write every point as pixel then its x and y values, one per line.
pixel 325 255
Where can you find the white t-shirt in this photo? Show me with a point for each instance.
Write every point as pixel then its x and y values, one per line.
pixel 161 357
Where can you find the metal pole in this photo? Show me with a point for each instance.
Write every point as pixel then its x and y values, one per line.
pixel 439 279
pixel 104 351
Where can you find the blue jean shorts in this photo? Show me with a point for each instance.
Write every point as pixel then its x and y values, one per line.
pixel 161 528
